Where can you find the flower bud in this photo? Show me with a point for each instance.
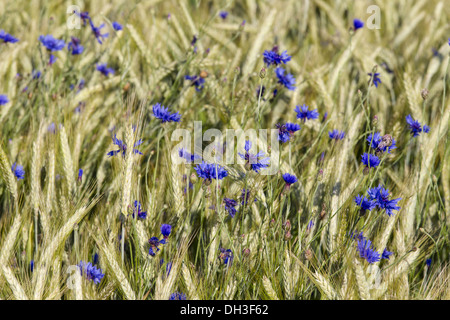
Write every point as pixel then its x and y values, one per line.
pixel 287 236
pixel 248 166
pixel 308 254
pixel 193 178
pixel 424 93
pixel 203 74
pixel 287 225
pixel 246 252
pixel 366 171
pixel 262 73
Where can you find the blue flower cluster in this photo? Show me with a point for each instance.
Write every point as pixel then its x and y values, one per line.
pixel 367 251
pixel 378 197
pixel 415 126
pixel 91 272
pixel 304 113
pixel 154 242
pixel 162 113
pixel 209 171
pixel 256 161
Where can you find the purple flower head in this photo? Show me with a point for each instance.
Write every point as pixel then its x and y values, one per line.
pixel 230 205
pixel 102 67
pixel 6 37
pixel 18 171
pixel 245 195
pixel 51 43
pixel 289 178
pixel 137 209
pixel 154 244
pixel 226 255
pixel 223 14
pixel 364 203
pixel 414 126
pixel 3 99
pixel 75 47
pixel 272 57
pixel 117 26
pixel 123 147
pixel 287 80
pixel 370 160
pixel 375 141
pixel 256 161
pixel 196 81
pixel 187 156
pixel 381 196
pixel 376 79
pixel 304 113
pixel 428 261
pixel 91 272
pixel 177 296
pixel 165 230
pixel 36 74
pixel 85 17
pixel 336 135
pixel 96 30
pixel 357 24
pixel 426 128
pixel 310 225
pixel 285 131
pixel 386 254
pixel 52 60
pixel 162 113
pixel 367 251
pixel 80 175
pixel 207 171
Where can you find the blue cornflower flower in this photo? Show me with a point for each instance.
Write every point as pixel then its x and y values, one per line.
pixel 85 17
pixel 426 128
pixel 289 178
pixel 310 225
pixel 245 195
pixel 74 46
pixel 154 244
pixel 364 203
pixel 91 272
pixel 187 156
pixel 381 197
pixel 18 171
pixel 196 81
pixel 357 24
pixel 177 296
pixel 95 259
pixel 6 37
pixel 123 147
pixel 51 43
pixel 414 126
pixel 287 80
pixel 336 135
pixel 207 171
pixel 357 236
pixel 226 255
pixel 32 265
pixel 36 74
pixel 3 99
pixel 428 261
pixel 223 14
pixel 303 113
pixel 376 79
pixel 162 113
pixel 256 161
pixel 80 175
pixel 97 31
pixel 137 208
pixel 102 67
pixel 117 26
pixel 367 251
pixel 386 254
pixel 165 230
pixel 230 205
pixel 272 57
pixel 370 160
pixel 375 142
pixel 52 60
pixel 285 131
